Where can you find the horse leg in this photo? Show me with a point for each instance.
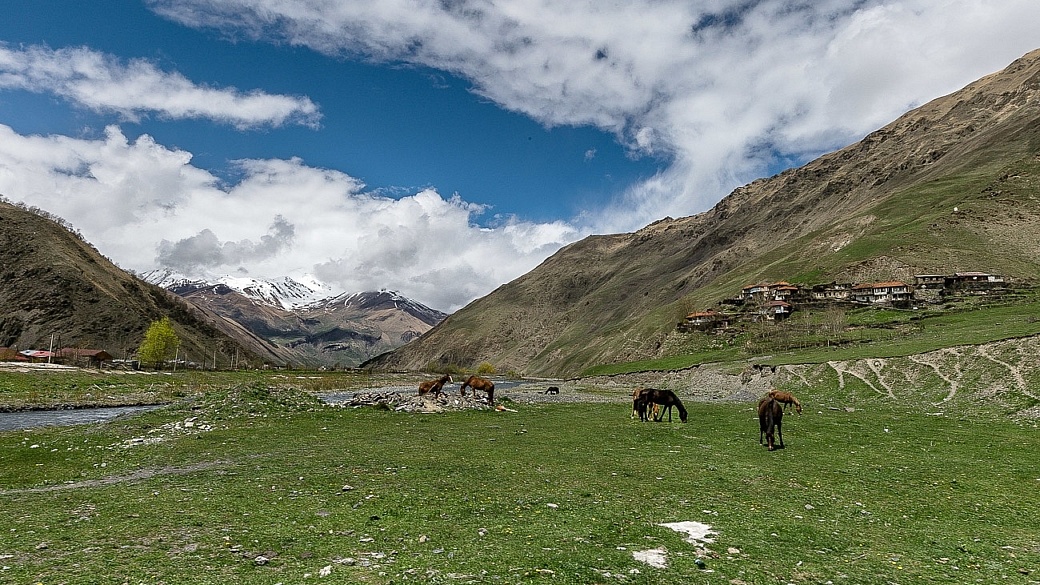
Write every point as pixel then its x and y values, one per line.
pixel 780 432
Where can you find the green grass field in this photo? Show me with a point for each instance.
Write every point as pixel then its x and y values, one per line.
pixel 199 491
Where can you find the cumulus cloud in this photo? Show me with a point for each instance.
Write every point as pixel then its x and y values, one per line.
pixel 144 204
pixel 723 88
pixel 133 89
pixel 204 251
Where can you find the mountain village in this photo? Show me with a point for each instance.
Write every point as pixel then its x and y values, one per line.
pixel 777 301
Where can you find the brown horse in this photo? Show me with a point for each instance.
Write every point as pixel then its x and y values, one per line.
pixel 666 398
pixel 770 419
pixel 786 398
pixel 478 383
pixel 434 387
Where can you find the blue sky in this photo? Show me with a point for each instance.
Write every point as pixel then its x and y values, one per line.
pixel 442 149
pixel 397 127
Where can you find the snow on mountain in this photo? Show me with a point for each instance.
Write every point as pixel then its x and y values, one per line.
pixel 285 292
pixel 305 317
pixel 384 299
pixel 305 293
pixel 167 278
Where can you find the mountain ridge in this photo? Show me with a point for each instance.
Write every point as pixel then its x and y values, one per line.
pixel 949 186
pixel 57 284
pixel 309 329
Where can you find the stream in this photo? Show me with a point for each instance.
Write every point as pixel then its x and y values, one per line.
pixel 29 419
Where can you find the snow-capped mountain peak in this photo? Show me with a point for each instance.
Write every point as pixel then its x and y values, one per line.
pixel 285 292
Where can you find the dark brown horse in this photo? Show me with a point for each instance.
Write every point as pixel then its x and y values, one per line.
pixel 434 387
pixel 656 408
pixel 770 420
pixel 666 398
pixel 478 383
pixel 786 398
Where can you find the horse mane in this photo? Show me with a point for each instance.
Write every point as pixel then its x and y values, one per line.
pixel 682 409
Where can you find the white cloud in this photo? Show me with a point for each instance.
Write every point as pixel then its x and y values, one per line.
pixel 722 87
pixel 102 83
pixel 144 204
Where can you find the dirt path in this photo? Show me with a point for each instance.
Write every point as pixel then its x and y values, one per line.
pixel 117 479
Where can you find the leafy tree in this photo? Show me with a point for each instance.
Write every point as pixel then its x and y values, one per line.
pixel 160 343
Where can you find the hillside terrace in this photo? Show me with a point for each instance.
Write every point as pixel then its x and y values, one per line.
pixel 776 301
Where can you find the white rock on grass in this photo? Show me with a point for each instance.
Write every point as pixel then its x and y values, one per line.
pixel 655 557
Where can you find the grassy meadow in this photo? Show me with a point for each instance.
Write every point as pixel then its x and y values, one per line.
pixel 253 482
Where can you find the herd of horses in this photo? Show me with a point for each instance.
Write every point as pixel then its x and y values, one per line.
pixel 651 404
pixel 436 387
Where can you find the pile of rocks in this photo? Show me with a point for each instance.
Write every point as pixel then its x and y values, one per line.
pixel 410 401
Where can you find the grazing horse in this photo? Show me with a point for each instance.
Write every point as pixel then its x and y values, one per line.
pixel 786 398
pixel 434 387
pixel 666 398
pixel 552 390
pixel 635 406
pixel 478 383
pixel 770 418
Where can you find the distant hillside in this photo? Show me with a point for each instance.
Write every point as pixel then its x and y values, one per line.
pixel 54 283
pixel 951 186
pixel 339 331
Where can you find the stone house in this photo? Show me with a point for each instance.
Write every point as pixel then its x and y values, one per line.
pixel 881 292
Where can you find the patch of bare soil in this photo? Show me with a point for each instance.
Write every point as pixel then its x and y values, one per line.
pixel 137 475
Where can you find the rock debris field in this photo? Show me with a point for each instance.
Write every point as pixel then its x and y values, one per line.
pixel 508 395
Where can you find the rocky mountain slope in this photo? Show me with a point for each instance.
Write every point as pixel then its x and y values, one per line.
pixel 343 330
pixel 953 185
pixel 54 283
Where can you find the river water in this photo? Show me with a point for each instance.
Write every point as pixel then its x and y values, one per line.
pixel 12 421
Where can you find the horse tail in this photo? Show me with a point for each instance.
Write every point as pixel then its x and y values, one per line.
pixel 770 423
